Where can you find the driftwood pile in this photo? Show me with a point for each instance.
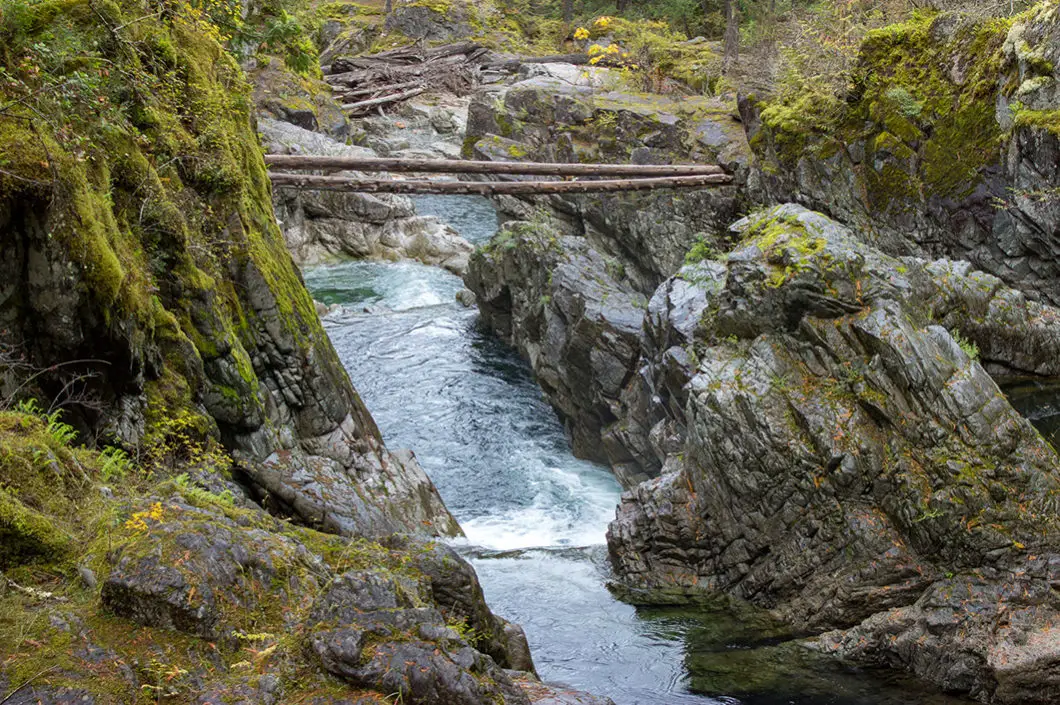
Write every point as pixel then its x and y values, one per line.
pixel 366 82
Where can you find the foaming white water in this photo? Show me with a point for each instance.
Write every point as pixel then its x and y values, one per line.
pixel 572 506
pixel 532 527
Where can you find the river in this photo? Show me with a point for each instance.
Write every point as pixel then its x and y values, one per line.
pixel 536 516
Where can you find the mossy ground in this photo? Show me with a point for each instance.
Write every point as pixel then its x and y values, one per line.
pixel 55 629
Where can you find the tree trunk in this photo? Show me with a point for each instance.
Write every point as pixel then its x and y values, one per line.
pixel 389 6
pixel 461 166
pixel 488 188
pixel 568 11
pixel 732 36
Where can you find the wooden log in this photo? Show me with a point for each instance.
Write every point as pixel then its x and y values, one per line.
pixel 491 188
pixel 378 89
pixel 460 166
pixel 402 57
pixel 404 95
pixel 387 72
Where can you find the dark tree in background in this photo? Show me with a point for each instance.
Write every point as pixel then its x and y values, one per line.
pixel 732 35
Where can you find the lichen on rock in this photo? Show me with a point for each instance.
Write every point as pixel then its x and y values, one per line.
pixel 842 455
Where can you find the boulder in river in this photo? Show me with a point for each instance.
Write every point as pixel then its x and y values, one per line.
pixel 848 463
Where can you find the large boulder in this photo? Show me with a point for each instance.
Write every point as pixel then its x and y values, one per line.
pixel 846 458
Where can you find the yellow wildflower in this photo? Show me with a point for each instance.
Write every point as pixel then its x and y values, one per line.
pixel 137 522
pixel 581 33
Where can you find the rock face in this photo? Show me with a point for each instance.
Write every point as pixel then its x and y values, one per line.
pixel 557 300
pixel 281 94
pixel 568 284
pixel 154 292
pixel 946 147
pixel 845 459
pixel 563 113
pixel 325 226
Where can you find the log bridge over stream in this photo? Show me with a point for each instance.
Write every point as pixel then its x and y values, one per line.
pixel 646 177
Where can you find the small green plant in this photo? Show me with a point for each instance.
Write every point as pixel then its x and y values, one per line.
pixel 700 251
pixel 116 464
pixel 466 631
pixel 197 495
pixel 970 348
pixel 63 433
pixel 605 120
pixel 283 34
pixel 905 101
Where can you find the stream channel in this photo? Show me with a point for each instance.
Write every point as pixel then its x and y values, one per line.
pixel 536 516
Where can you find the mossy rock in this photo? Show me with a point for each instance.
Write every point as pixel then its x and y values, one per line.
pixel 28 536
pixel 905 102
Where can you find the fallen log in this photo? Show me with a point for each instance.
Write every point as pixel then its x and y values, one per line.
pixel 491 188
pixel 387 73
pixel 460 166
pixel 377 89
pixel 404 95
pixel 403 57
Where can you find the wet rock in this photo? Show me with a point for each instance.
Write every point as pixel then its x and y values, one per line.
pixel 455 589
pixel 466 297
pixel 369 633
pixel 558 301
pixel 842 460
pixel 552 694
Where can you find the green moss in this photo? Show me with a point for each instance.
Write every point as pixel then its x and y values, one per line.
pixel 1041 119
pixel 925 134
pixel 29 536
pixel 701 250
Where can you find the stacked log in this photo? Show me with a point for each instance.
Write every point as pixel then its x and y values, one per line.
pixel 364 83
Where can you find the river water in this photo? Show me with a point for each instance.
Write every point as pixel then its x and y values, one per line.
pixel 536 516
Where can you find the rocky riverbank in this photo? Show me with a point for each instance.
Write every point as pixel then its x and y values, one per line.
pixel 806 411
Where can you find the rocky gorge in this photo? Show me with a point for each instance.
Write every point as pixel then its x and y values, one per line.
pixel 794 377
pixel 805 409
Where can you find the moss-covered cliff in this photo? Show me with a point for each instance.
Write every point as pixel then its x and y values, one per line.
pixel 145 276
pixel 174 423
pixel 944 143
